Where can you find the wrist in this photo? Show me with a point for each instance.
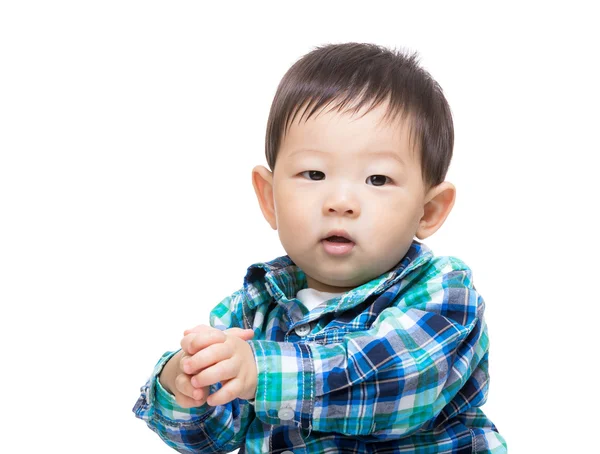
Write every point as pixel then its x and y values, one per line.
pixel 169 372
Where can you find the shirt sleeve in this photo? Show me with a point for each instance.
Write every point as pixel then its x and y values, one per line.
pixel 204 429
pixel 389 380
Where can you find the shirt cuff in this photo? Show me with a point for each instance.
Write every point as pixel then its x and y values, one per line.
pixel 162 404
pixel 285 383
pixel 154 383
pixel 166 406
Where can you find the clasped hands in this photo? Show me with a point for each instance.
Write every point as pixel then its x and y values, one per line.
pixel 210 356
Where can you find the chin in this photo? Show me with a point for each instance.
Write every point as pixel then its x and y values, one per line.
pixel 343 281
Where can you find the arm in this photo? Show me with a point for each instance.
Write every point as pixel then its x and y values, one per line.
pixel 201 429
pixel 385 382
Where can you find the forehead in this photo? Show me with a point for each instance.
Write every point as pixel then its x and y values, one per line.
pixel 348 132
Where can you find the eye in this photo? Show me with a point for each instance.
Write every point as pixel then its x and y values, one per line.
pixel 314 175
pixel 378 180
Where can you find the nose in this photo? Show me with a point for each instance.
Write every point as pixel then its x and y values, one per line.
pixel 341 202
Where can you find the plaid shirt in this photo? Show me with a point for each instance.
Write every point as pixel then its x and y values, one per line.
pixel 397 365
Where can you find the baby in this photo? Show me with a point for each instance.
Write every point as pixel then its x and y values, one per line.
pixel 359 340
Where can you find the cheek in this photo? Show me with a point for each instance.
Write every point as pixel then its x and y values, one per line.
pixel 292 212
pixel 378 207
pixel 288 217
pixel 395 218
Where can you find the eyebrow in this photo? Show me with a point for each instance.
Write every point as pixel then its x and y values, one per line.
pixel 379 153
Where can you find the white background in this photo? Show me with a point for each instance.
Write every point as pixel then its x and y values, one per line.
pixel 128 131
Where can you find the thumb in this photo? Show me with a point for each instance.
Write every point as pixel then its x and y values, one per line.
pixel 245 334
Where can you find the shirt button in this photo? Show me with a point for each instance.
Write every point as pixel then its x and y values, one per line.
pixel 302 330
pixel 285 414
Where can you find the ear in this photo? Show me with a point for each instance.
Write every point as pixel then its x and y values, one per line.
pixel 262 180
pixel 438 204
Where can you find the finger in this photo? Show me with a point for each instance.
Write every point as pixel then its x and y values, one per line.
pixel 212 354
pixel 201 394
pixel 182 359
pixel 195 329
pixel 226 394
pixel 187 402
pixel 245 334
pixel 199 328
pixel 183 386
pixel 223 370
pixel 186 343
pixel 194 342
pixel 186 395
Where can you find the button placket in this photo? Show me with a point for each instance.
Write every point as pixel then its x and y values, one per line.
pixel 285 414
pixel 302 330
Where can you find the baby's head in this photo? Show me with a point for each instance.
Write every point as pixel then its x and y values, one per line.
pixel 365 161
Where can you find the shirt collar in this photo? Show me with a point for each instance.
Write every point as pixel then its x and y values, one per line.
pixel 281 279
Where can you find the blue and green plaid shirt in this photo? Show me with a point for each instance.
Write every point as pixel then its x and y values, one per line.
pixel 397 365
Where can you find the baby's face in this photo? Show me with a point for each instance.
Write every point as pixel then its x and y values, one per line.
pixel 339 172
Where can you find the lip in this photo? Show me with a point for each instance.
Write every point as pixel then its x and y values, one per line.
pixel 339 232
pixel 338 249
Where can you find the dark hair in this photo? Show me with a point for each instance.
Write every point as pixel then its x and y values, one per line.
pixel 365 73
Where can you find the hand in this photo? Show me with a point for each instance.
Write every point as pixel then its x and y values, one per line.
pixel 214 356
pixel 177 383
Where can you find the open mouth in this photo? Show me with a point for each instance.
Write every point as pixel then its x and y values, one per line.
pixel 337 245
pixel 337 239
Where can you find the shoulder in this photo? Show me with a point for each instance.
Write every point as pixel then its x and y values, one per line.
pixel 444 285
pixel 445 268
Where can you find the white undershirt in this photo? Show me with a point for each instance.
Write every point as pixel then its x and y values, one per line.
pixel 311 298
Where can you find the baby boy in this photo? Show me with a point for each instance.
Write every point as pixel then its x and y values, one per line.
pixel 359 340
